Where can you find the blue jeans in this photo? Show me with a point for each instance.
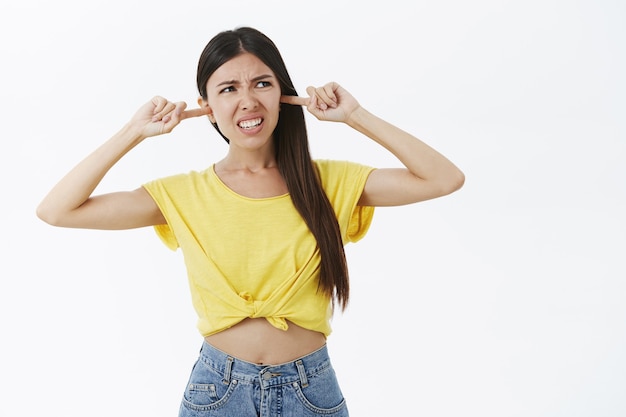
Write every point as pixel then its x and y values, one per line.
pixel 223 386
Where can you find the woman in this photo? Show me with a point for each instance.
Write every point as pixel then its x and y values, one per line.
pixel 262 230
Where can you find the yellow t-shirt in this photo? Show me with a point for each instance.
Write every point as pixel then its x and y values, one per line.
pixel 249 257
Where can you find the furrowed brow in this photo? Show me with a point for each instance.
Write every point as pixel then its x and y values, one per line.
pixel 235 82
pixel 228 82
pixel 262 77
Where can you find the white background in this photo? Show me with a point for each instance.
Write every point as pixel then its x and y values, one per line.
pixel 504 299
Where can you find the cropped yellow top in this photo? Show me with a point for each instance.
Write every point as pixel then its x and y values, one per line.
pixel 248 257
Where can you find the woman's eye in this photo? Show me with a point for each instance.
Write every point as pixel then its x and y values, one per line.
pixel 228 89
pixel 263 84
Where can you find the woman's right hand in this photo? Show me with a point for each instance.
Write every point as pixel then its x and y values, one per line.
pixel 160 116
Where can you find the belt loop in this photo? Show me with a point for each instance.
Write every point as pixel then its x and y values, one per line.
pixel 302 373
pixel 229 367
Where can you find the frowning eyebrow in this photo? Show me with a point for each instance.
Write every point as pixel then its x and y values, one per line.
pixel 235 82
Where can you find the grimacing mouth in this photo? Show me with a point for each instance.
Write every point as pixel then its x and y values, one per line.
pixel 250 123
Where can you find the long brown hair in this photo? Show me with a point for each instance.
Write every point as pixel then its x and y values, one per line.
pixel 292 153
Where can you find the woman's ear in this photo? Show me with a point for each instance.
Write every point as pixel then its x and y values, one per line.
pixel 205 104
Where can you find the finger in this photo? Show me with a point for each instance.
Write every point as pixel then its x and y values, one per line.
pixel 327 94
pixel 295 100
pixel 202 111
pixel 316 101
pixel 329 91
pixel 159 103
pixel 172 118
pixel 162 109
pixel 172 111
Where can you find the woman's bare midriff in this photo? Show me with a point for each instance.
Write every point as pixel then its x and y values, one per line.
pixel 257 341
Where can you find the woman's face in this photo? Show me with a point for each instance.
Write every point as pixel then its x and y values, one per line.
pixel 243 96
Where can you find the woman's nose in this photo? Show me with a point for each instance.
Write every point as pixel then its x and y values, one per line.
pixel 248 100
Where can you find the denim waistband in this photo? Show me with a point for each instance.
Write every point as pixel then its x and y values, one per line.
pixel 232 368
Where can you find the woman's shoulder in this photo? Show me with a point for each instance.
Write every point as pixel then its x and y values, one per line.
pixel 190 176
pixel 339 177
pixel 337 167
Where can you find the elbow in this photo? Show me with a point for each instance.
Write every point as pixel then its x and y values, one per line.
pixel 453 183
pixel 47 215
pixel 459 181
pixel 43 214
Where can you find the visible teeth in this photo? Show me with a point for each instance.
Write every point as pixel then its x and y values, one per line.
pixel 249 124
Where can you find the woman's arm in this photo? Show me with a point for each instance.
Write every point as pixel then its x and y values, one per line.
pixel 427 173
pixel 70 202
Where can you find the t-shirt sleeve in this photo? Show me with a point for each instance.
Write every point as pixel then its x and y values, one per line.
pixel 360 223
pixel 158 191
pixel 343 182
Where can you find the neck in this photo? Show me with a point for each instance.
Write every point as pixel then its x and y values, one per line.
pixel 248 161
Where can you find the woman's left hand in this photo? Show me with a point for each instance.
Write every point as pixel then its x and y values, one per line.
pixel 330 102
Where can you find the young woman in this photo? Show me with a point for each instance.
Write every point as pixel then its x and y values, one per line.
pixel 262 230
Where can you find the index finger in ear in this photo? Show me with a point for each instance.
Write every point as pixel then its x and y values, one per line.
pixel 194 113
pixel 295 100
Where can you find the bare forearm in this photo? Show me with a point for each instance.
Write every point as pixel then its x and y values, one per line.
pixel 75 188
pixel 419 158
